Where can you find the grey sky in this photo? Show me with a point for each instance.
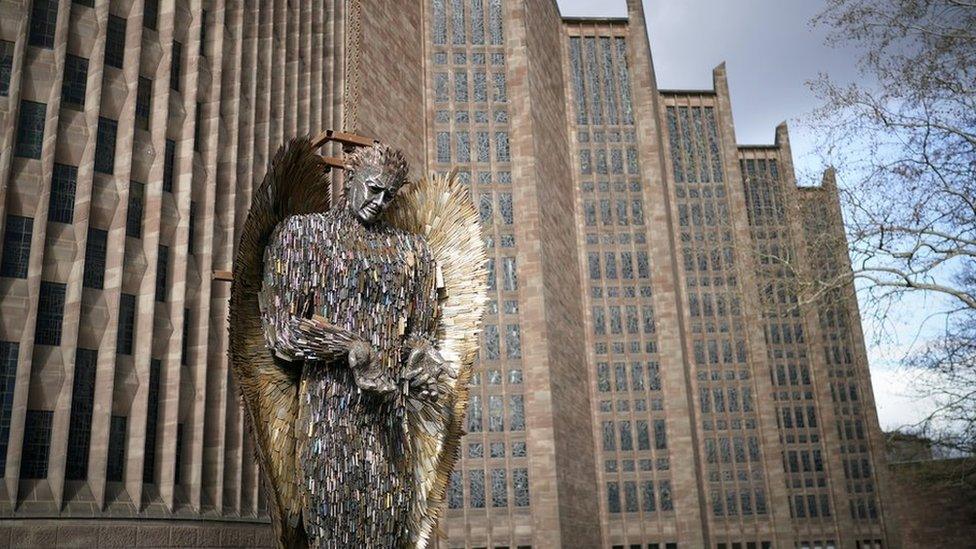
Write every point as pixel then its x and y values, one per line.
pixel 771 51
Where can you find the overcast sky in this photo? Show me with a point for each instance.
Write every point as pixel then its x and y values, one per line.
pixel 771 51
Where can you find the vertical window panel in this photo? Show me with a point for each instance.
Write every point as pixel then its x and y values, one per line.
pixel 6 66
pixel 476 489
pixel 105 145
pixel 440 22
pixel 37 444
pixel 50 314
pixel 152 419
pixel 162 266
pixel 43 23
pixel 115 42
pixel 513 341
pixel 95 250
pixel 127 324
pixel 30 129
pixel 115 465
pixel 75 80
pixel 64 181
pixel 17 235
pixel 8 380
pixel 169 165
pixel 495 22
pixel 499 488
pixel 82 405
pixel 176 67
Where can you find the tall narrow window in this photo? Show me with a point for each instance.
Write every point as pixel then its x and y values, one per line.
pixel 495 22
pixel 30 129
pixel 613 497
pixel 169 165
pixel 82 405
pixel 457 21
pixel 510 274
pixel 198 128
pixel 152 418
pixel 162 266
pixel 75 80
pixel 176 68
pixel 499 488
pixel 203 32
pixel 50 313
pixel 461 86
pixel 6 66
pixel 115 42
pixel 491 342
pixel 64 181
pixel 520 487
pixel 516 413
pixel 474 414
pixel 133 215
pixel 115 467
pixel 178 457
pixel 660 435
pixel 192 229
pixel 127 324
pixel 150 14
pixel 477 22
pixel 105 145
pixel 143 102
pixel 8 379
pixel 440 22
pixel 185 341
pixel 43 22
pixel 513 341
pixel 37 444
pixel 16 246
pixel 95 250
pixel 502 152
pixel 476 489
pixel 496 414
pixel 455 491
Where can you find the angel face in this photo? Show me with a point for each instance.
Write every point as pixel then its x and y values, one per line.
pixel 371 190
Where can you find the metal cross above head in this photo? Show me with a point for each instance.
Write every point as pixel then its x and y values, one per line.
pixel 348 141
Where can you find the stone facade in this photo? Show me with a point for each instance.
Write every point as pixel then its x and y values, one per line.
pixel 645 379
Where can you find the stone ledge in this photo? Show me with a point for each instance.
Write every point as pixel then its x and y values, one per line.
pixel 92 534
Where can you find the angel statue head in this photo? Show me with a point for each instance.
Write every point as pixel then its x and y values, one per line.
pixel 375 174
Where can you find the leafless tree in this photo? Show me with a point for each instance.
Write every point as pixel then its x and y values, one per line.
pixel 903 141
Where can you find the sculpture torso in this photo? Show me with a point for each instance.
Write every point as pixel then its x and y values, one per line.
pixel 357 479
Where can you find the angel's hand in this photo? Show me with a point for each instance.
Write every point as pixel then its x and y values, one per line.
pixel 427 374
pixel 368 371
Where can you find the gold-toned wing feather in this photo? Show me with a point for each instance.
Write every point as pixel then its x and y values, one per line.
pixel 439 208
pixel 296 183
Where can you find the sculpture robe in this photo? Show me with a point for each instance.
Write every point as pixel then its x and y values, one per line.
pixel 378 283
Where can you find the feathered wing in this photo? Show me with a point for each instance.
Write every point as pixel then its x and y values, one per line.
pixel 296 183
pixel 439 209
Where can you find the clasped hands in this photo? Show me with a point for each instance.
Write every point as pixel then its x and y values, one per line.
pixel 424 374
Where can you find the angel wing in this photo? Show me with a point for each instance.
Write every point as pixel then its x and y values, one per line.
pixel 296 183
pixel 437 208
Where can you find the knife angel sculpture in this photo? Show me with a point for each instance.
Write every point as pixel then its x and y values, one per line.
pixel 353 327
